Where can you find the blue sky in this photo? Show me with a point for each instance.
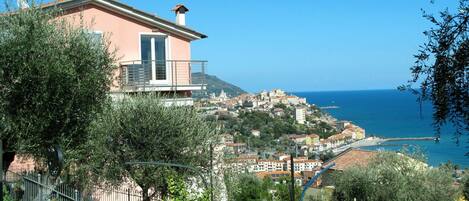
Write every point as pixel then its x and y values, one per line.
pixel 305 45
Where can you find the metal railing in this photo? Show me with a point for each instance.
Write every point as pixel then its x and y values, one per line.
pixel 163 75
pixel 36 187
pixel 118 194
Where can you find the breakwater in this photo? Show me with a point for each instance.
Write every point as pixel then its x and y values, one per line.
pixel 410 138
pixel 375 141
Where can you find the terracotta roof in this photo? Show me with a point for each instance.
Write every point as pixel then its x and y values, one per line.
pixel 351 157
pixel 269 160
pixel 297 136
pixel 235 144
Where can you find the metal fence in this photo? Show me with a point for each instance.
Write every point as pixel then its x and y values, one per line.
pixel 36 187
pixel 118 194
pixel 163 75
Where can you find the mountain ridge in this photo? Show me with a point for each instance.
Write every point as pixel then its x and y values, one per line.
pixel 215 85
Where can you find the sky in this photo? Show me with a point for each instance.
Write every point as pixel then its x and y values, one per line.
pixel 305 45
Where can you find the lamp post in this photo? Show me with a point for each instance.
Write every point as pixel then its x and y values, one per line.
pixel 172 165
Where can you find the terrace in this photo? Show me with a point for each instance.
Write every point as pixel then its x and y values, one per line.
pixel 163 75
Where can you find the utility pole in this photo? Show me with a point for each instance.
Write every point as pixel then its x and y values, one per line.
pixel 211 172
pixel 292 172
pixel 1 170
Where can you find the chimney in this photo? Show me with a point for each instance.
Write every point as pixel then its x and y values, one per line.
pixel 180 11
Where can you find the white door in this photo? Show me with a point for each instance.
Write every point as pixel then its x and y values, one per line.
pixel 154 57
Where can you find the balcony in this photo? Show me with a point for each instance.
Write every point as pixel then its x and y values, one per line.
pixel 163 75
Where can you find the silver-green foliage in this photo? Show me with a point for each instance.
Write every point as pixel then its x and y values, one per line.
pixel 142 129
pixel 394 177
pixel 54 78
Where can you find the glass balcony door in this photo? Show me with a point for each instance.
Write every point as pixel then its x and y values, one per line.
pixel 153 55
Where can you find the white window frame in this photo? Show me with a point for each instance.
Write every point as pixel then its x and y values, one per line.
pixel 167 54
pixel 96 32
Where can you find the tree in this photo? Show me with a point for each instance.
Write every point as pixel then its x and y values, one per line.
pixel 441 69
pixel 142 129
pixel 465 186
pixel 177 190
pixel 393 176
pixel 250 188
pixel 54 78
pixel 282 190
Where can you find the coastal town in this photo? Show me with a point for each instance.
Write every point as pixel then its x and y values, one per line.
pixel 104 100
pixel 241 157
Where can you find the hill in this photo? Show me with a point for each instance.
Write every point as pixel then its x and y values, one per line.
pixel 215 85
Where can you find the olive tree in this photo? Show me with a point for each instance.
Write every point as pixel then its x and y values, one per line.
pixel 391 176
pixel 142 129
pixel 54 79
pixel 441 69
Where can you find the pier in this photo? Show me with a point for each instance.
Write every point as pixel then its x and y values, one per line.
pixel 411 139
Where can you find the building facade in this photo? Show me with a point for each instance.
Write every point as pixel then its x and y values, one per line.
pixel 154 54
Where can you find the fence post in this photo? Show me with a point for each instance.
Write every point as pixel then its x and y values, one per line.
pixel 128 194
pixel 40 187
pixel 76 195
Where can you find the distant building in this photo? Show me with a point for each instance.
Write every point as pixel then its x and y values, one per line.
pixel 256 133
pixel 277 175
pixel 298 139
pixel 227 138
pixel 279 112
pixel 341 125
pixel 242 163
pixel 302 164
pixel 264 95
pixel 223 95
pixel 277 93
pixel 269 165
pixel 236 148
pixel 308 175
pixel 305 139
pixel 300 115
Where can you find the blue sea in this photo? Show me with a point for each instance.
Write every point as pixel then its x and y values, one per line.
pixel 392 113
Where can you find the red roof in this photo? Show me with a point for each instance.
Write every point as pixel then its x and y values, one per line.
pixel 350 158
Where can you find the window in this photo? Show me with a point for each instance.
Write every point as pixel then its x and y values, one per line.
pixel 95 36
pixel 153 55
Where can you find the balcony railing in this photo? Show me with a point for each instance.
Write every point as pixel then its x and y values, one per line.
pixel 163 75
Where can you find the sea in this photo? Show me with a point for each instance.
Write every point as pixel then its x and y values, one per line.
pixel 393 113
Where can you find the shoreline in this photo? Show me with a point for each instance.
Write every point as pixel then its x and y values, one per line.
pixel 376 141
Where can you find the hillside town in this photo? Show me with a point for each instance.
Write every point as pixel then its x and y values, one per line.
pixel 104 100
pixel 241 157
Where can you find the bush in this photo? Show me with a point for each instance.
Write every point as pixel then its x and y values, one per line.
pixel 392 176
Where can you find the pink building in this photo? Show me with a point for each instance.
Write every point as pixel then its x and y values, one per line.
pixel 154 54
